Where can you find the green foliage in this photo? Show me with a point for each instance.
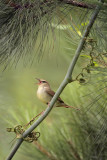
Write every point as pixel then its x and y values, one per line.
pixel 22 22
pixel 66 134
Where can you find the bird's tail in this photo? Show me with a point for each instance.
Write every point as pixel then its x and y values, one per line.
pixel 66 106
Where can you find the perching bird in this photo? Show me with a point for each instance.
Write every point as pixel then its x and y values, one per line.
pixel 45 94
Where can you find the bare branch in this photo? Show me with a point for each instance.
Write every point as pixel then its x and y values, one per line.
pixel 79 4
pixel 70 2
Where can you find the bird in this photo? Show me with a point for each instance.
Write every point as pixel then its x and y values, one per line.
pixel 45 94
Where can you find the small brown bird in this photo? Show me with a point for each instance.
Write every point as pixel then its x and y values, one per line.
pixel 45 94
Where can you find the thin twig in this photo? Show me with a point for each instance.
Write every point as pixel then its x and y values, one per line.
pixel 29 123
pixel 67 79
pixel 43 150
pixel 74 151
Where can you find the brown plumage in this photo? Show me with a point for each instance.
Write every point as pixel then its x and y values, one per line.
pixel 45 94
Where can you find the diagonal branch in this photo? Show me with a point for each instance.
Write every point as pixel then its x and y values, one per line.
pixel 79 4
pixel 70 2
pixel 67 79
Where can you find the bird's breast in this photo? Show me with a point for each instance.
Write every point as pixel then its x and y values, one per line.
pixel 43 95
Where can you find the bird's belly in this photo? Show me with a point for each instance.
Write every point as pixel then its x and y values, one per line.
pixel 43 96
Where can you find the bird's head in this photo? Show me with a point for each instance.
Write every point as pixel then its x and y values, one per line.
pixel 42 82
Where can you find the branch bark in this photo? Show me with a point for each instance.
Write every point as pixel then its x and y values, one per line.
pixel 70 2
pixel 67 79
pixel 79 4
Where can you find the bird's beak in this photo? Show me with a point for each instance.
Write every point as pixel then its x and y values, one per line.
pixel 38 81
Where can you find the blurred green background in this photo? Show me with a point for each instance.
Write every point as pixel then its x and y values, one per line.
pixel 66 134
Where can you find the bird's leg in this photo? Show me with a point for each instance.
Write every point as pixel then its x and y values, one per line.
pixel 48 104
pixel 29 123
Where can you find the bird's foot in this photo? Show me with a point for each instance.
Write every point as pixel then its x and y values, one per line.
pixel 48 104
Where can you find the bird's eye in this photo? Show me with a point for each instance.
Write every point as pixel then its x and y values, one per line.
pixel 43 81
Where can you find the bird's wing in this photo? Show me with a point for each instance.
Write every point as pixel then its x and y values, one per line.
pixel 51 93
